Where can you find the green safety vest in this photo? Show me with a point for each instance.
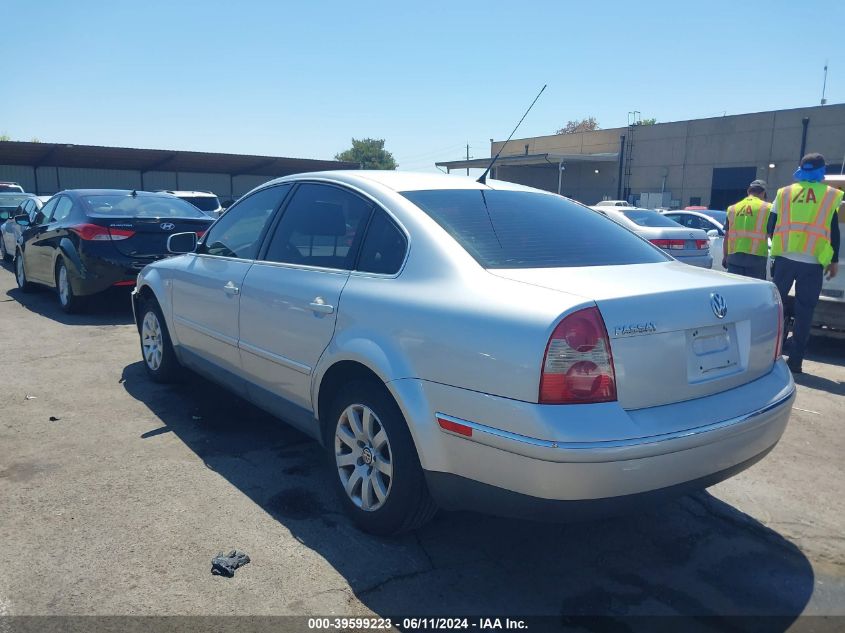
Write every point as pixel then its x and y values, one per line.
pixel 747 220
pixel 805 211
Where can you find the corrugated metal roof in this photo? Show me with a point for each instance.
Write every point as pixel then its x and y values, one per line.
pixel 95 156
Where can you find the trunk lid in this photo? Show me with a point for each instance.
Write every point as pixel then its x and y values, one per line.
pixel 668 343
pixel 149 238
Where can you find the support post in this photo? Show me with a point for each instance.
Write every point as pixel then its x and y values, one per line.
pixel 805 122
pixel 621 162
pixel 559 177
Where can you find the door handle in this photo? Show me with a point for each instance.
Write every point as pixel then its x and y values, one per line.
pixel 231 289
pixel 320 306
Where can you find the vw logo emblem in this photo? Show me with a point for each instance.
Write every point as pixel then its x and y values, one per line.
pixel 167 226
pixel 717 302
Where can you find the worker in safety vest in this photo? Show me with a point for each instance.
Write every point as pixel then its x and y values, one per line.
pixel 805 245
pixel 745 249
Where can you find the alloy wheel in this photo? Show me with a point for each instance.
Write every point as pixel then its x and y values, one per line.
pixel 363 457
pixel 151 341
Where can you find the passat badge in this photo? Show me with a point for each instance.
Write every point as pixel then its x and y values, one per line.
pixel 634 328
pixel 717 302
pixel 167 226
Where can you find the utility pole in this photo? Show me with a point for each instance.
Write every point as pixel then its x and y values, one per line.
pixel 467 158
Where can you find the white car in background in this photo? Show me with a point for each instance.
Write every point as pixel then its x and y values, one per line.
pixel 830 310
pixel 205 201
pixel 710 221
pixel 613 203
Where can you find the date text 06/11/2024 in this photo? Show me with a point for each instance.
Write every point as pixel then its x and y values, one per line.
pixel 431 624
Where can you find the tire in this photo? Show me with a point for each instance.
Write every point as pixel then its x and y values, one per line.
pixel 20 274
pixel 68 302
pixel 4 255
pixel 160 360
pixel 375 467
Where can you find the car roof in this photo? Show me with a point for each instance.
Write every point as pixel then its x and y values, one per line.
pixel 407 180
pixel 186 192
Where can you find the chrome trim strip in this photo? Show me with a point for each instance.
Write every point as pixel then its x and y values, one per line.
pixel 638 441
pixel 204 330
pixel 275 358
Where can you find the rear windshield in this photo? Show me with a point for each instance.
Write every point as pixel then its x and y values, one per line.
pixel 141 206
pixel 203 203
pixel 649 218
pixel 517 229
pixel 11 202
pixel 720 216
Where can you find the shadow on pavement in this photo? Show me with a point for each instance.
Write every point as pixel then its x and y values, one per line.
pixel 694 556
pixel 113 307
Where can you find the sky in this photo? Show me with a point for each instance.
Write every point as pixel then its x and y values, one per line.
pixel 301 79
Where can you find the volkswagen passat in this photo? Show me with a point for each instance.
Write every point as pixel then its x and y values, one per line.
pixel 471 346
pixel 85 241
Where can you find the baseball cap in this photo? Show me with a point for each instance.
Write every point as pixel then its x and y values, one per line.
pixel 812 161
pixel 758 184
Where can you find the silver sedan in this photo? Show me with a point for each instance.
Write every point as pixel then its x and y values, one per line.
pixel 471 346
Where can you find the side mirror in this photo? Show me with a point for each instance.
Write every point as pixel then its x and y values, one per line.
pixel 181 243
pixel 23 220
pixel 713 233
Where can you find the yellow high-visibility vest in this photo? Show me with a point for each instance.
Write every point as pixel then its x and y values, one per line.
pixel 747 220
pixel 805 210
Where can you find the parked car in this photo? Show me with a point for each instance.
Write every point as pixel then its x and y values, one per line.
pixel 86 241
pixel 691 246
pixel 10 231
pixel 205 201
pixel 829 315
pixel 474 346
pixel 10 187
pixel 613 203
pixel 709 222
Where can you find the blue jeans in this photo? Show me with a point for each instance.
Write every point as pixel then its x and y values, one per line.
pixel 808 286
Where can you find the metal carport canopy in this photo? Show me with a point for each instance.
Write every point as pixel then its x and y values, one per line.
pixel 531 160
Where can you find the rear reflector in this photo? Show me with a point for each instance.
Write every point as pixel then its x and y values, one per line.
pixel 97 233
pixel 779 341
pixel 578 366
pixel 670 244
pixel 124 283
pixel 454 427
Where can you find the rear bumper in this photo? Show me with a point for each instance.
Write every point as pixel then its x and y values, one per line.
pixel 702 261
pixel 583 453
pixel 830 313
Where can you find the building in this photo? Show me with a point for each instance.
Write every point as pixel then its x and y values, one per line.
pixel 706 162
pixel 45 168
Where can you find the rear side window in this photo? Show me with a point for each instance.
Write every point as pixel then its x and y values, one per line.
pixel 63 208
pixel 238 233
pixel 383 250
pixel 320 227
pixel 517 229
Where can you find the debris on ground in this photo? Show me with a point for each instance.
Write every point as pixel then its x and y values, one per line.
pixel 226 564
pixel 53 418
pixel 29 397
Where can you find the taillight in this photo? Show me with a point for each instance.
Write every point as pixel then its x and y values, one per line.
pixel 702 244
pixel 578 366
pixel 97 233
pixel 200 234
pixel 779 341
pixel 670 244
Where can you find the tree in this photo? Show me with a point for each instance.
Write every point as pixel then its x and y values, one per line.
pixel 584 125
pixel 369 153
pixel 5 137
pixel 648 121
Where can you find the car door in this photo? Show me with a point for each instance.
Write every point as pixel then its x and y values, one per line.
pixel 206 288
pixel 37 251
pixel 290 297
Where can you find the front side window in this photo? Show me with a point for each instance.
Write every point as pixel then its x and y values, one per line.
pixel 238 233
pixel 42 216
pixel 320 227
pixel 520 229
pixel 383 250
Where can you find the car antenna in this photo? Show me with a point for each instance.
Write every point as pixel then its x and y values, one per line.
pixel 483 178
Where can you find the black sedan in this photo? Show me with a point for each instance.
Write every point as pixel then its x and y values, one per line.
pixel 86 241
